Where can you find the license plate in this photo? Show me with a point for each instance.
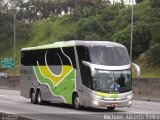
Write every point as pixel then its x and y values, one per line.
pixel 114 104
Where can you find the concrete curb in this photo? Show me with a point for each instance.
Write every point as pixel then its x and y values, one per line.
pixel 13 83
pixel 7 116
pixel 146 89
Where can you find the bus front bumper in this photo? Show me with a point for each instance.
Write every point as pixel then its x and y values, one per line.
pixel 112 103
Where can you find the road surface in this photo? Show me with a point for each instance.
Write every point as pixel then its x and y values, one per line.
pixel 12 103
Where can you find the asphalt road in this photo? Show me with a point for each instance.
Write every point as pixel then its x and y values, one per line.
pixel 12 103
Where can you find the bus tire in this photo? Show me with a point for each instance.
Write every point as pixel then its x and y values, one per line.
pixel 33 97
pixel 111 108
pixel 76 102
pixel 39 97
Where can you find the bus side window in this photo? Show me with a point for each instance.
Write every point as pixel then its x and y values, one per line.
pixel 69 51
pixel 83 55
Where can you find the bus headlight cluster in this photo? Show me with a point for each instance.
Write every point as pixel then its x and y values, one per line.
pixel 129 96
pixel 130 103
pixel 95 102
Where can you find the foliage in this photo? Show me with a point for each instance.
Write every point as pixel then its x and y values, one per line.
pixel 138 1
pixel 153 55
pixel 48 21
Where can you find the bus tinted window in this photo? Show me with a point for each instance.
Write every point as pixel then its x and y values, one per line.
pixel 110 56
pixel 83 55
pixel 54 56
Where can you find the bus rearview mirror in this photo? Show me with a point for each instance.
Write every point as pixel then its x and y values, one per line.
pixel 89 65
pixel 137 68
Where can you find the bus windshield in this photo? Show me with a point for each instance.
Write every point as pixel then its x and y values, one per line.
pixel 112 81
pixel 109 55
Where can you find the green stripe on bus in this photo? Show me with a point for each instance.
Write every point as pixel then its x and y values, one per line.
pixel 64 89
pixel 106 95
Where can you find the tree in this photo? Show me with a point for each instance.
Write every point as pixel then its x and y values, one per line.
pixel 153 55
pixel 155 3
pixel 139 1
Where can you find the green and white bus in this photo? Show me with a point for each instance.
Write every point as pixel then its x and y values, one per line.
pixel 82 73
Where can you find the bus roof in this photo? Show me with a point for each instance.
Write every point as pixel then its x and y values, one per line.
pixel 74 43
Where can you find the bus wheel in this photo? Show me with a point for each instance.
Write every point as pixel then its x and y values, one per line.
pixel 76 102
pixel 33 97
pixel 39 97
pixel 111 108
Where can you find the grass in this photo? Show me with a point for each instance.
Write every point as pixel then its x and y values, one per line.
pixel 150 72
pixel 48 31
pixel 43 32
pixel 147 72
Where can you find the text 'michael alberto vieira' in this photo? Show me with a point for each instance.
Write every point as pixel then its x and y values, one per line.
pixel 132 116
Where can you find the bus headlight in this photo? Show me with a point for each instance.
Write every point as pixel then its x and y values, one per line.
pixel 130 103
pixel 129 96
pixel 95 102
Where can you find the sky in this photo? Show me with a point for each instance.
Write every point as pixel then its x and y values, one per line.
pixel 126 1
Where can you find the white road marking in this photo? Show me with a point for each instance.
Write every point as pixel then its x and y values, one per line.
pixel 8 102
pixel 88 114
pixel 6 112
pixel 75 112
pixel 134 112
pixel 15 98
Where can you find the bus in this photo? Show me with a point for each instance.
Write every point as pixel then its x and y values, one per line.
pixel 81 73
